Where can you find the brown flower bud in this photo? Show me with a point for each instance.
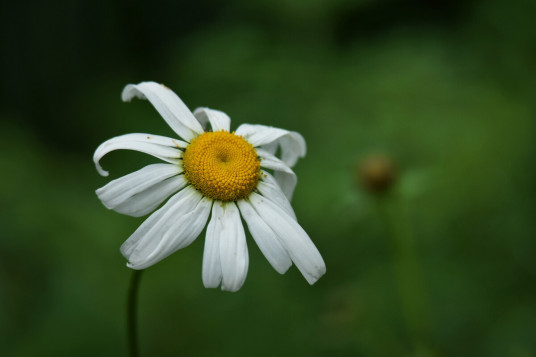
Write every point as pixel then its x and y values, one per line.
pixel 377 173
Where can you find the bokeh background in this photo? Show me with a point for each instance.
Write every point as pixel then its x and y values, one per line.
pixel 441 265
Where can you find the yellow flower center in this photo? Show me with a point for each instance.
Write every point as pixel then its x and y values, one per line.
pixel 222 165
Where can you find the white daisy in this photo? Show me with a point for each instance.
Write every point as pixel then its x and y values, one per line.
pixel 211 169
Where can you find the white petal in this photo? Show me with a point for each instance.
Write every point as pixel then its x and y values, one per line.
pixel 292 148
pixel 211 253
pixel 233 249
pixel 186 200
pixel 292 236
pixel 218 120
pixel 270 189
pixel 149 144
pixel 147 201
pixel 157 139
pixel 168 104
pixel 271 147
pixel 265 238
pixel 121 189
pixel 172 227
pixel 285 177
pixel 287 182
pixel 291 142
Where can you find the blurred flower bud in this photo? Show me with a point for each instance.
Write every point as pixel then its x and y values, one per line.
pixel 377 173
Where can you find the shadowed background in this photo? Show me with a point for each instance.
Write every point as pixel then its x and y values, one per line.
pixel 445 89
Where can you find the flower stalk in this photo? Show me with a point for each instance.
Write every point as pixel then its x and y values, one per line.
pixel 408 272
pixel 132 313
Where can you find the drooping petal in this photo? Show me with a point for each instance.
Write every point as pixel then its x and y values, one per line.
pixel 265 238
pixel 271 147
pixel 147 201
pixel 301 249
pixel 292 143
pixel 119 190
pixel 285 177
pixel 218 120
pixel 287 182
pixel 211 254
pixel 292 148
pixel 233 249
pixel 168 104
pixel 183 201
pixel 158 146
pixel 269 188
pixel 174 226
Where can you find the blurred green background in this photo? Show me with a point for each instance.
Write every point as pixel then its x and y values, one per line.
pixel 444 88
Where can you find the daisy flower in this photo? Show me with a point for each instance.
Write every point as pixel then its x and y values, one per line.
pixel 214 172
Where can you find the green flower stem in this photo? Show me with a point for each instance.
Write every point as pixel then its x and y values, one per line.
pixel 408 272
pixel 132 313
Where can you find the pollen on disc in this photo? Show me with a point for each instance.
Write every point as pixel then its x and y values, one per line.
pixel 222 165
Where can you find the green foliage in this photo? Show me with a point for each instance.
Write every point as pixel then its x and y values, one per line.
pixel 450 98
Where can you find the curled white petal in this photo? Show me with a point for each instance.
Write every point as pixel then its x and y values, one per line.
pixel 218 120
pixel 211 255
pixel 292 143
pixel 156 139
pixel 265 238
pixel 168 104
pixel 269 188
pixel 172 227
pixel 233 249
pixel 271 147
pixel 299 246
pixel 158 146
pixel 285 177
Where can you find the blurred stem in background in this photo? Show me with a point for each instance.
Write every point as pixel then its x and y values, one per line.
pixel 132 313
pixel 378 174
pixel 408 271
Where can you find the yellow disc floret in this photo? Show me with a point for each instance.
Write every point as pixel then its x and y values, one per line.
pixel 222 165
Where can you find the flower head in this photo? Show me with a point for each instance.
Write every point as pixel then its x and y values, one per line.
pixel 211 172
